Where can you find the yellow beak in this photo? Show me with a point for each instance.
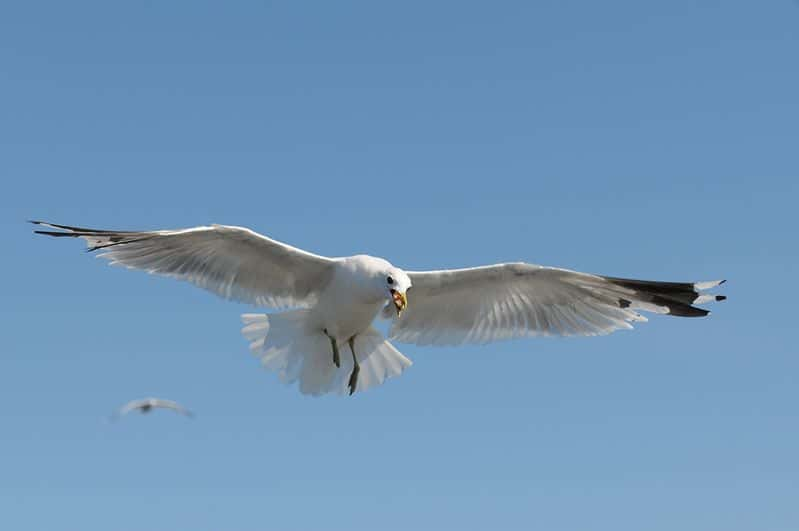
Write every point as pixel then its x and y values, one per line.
pixel 400 301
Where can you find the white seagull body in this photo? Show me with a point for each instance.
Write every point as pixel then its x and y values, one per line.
pixel 334 301
pixel 145 405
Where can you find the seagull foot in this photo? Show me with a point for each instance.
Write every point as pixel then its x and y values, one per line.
pixel 356 368
pixel 354 379
pixel 334 345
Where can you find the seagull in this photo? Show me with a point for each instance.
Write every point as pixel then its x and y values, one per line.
pixel 330 304
pixel 145 405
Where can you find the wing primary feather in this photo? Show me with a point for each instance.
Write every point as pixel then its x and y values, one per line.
pixel 75 229
pixel 123 242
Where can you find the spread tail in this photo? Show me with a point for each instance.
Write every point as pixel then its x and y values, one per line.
pixel 285 344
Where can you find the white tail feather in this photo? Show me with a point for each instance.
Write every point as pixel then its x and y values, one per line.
pixel 284 344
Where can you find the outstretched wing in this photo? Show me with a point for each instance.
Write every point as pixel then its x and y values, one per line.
pixel 233 262
pixel 171 404
pixel 503 301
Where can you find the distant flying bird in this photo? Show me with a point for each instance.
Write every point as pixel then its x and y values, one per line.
pixel 145 405
pixel 334 301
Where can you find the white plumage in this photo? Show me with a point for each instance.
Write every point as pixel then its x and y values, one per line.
pixel 289 344
pixel 327 342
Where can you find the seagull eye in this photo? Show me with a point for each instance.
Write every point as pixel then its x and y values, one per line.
pixel 390 280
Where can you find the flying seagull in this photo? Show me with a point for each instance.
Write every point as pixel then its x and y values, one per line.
pixel 332 302
pixel 145 405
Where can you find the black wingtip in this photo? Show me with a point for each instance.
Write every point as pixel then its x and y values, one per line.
pixel 722 282
pixel 56 234
pixel 721 297
pixel 70 228
pixel 38 222
pixel 685 310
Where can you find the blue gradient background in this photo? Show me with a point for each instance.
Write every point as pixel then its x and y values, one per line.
pixel 640 139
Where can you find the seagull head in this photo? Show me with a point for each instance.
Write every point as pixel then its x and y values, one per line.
pixel 397 283
pixel 378 281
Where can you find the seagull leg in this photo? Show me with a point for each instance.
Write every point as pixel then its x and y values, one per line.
pixel 355 367
pixel 336 357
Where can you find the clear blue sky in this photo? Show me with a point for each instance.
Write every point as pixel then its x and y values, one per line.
pixel 643 139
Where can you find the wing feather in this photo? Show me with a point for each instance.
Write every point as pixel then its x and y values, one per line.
pixel 233 262
pixel 503 301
